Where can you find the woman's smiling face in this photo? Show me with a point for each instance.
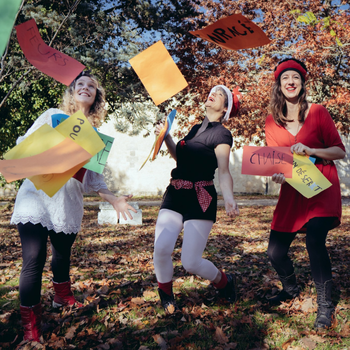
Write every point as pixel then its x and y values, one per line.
pixel 217 100
pixel 291 85
pixel 85 92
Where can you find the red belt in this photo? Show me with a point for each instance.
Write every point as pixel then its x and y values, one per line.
pixel 204 198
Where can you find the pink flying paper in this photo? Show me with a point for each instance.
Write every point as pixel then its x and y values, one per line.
pixel 48 60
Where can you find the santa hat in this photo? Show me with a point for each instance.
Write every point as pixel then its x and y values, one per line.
pixel 233 100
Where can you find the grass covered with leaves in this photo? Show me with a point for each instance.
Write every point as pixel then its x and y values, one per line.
pixel 112 273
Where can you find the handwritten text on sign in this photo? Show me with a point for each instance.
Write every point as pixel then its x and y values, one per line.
pixel 52 62
pixel 98 161
pixel 307 179
pixel 234 33
pixel 266 161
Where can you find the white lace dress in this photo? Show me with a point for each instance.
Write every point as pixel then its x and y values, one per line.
pixel 64 211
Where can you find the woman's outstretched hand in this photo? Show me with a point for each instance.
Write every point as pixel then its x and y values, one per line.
pixel 158 128
pixel 122 207
pixel 231 208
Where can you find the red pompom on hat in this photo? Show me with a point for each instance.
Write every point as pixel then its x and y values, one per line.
pixel 236 104
pixel 232 99
pixel 290 65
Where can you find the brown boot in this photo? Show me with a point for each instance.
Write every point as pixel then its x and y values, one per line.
pixel 31 321
pixel 64 295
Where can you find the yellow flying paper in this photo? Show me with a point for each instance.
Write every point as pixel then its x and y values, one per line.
pixel 306 178
pixel 76 128
pixel 79 129
pixel 39 141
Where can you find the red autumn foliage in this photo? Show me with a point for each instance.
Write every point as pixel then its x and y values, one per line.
pixel 316 32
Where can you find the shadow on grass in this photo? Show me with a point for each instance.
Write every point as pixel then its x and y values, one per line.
pixel 112 271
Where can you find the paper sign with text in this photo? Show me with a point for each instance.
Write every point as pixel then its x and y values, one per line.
pixel 266 161
pixel 79 129
pixel 307 179
pixel 98 162
pixel 235 32
pixel 158 72
pixel 57 159
pixel 48 60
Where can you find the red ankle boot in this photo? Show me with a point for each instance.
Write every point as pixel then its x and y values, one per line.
pixel 64 295
pixel 31 321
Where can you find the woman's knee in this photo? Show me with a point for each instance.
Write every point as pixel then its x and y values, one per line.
pixel 161 250
pixel 271 254
pixel 191 264
pixel 276 256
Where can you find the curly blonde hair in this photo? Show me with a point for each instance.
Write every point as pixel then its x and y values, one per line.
pixel 97 111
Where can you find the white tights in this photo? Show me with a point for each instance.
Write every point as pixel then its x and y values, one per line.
pixel 196 233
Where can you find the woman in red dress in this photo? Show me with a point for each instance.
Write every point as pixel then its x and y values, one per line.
pixel 307 129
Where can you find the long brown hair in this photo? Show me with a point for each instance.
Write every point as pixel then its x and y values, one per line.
pixel 278 106
pixel 97 111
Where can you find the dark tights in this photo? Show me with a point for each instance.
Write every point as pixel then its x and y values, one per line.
pixel 316 233
pixel 34 242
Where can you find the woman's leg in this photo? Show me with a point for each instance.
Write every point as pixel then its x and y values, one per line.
pixel 168 227
pixel 61 245
pixel 277 251
pixel 33 241
pixel 196 233
pixel 316 234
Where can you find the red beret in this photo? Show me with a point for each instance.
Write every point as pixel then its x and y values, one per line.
pixel 290 65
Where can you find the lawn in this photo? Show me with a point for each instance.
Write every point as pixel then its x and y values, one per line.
pixel 112 273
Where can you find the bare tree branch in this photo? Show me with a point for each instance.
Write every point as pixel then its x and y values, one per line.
pixel 14 85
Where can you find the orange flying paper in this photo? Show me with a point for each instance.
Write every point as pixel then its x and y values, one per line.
pixel 235 32
pixel 57 159
pixel 160 140
pixel 266 161
pixel 51 183
pixel 52 62
pixel 158 73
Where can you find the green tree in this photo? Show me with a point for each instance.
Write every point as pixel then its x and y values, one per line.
pixel 103 35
